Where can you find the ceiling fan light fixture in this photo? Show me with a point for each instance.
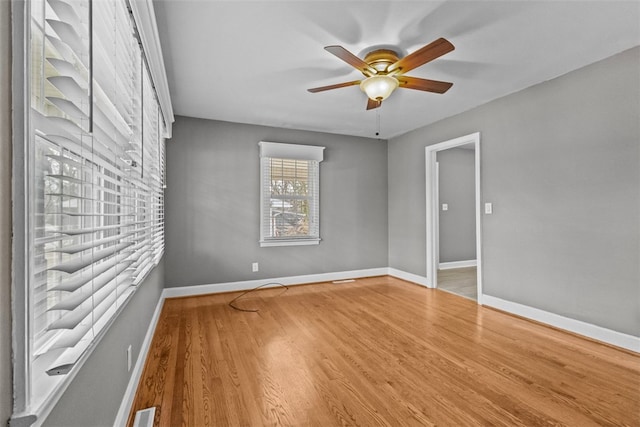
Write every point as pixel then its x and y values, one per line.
pixel 379 87
pixel 384 70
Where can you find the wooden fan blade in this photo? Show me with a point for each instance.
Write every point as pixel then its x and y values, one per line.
pixel 336 86
pixel 371 104
pixel 421 56
pixel 351 59
pixel 424 84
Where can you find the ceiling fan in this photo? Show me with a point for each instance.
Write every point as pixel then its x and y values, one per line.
pixel 384 71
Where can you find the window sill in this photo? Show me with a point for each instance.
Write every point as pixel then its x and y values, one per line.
pixel 291 242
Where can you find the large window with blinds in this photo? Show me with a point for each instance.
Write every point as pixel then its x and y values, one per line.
pixel 290 194
pixel 94 178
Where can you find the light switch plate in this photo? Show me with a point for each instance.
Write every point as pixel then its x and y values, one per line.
pixel 488 208
pixel 445 207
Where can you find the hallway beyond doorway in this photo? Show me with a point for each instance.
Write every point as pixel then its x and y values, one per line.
pixel 459 281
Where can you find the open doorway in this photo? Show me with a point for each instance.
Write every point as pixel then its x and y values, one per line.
pixel 456 222
pixel 453 216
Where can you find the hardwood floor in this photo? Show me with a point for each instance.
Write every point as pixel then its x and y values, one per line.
pixel 376 352
pixel 459 281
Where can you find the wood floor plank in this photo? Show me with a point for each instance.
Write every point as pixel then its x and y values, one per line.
pixel 376 352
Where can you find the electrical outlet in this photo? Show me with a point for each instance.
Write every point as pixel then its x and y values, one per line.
pixel 254 267
pixel 129 358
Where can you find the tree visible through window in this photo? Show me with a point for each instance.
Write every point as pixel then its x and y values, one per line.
pixel 290 194
pixel 290 198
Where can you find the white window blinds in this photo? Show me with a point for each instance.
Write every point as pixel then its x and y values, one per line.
pixel 290 194
pixel 95 177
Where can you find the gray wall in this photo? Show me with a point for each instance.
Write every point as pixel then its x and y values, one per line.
pixel 456 188
pixel 5 212
pixel 212 205
pixel 94 396
pixel 561 163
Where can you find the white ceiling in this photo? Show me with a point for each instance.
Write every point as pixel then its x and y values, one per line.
pixel 252 61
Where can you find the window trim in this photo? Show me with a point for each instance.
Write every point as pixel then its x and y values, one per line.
pixel 290 242
pixel 269 150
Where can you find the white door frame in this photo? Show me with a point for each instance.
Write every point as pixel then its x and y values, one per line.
pixel 436 218
pixel 432 206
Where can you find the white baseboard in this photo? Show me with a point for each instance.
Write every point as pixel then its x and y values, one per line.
pixel 579 327
pixel 410 277
pixel 132 386
pixel 457 264
pixel 183 291
pixel 291 280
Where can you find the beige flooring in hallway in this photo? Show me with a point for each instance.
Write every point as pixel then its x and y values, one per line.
pixel 459 281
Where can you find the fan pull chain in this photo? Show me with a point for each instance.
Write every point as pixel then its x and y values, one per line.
pixel 378 123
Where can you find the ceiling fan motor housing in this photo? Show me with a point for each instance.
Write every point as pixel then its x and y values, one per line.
pixel 380 59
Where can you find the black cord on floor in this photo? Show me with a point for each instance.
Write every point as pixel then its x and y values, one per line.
pixel 231 303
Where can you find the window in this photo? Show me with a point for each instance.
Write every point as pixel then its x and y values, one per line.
pixel 94 184
pixel 290 194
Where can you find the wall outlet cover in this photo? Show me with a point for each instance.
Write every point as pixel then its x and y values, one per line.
pixel 129 358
